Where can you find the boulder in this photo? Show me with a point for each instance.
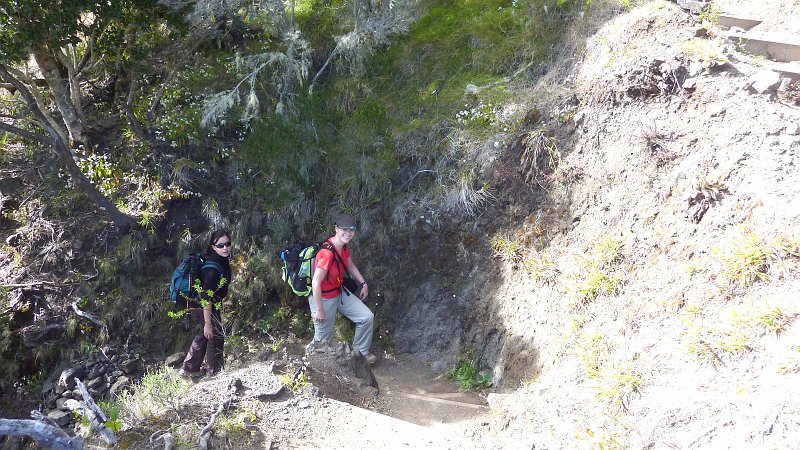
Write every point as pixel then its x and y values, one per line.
pixel 10 186
pixel 693 6
pixel 116 389
pixel 62 418
pixel 60 404
pixel 67 377
pixel 129 366
pixel 763 82
pixel 94 382
pixel 175 359
pixel 337 368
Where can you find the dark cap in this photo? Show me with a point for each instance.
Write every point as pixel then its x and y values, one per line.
pixel 345 221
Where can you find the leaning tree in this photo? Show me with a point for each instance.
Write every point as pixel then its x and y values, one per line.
pixel 57 55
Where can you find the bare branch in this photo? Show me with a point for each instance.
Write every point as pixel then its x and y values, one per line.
pixel 29 89
pixel 202 441
pixel 25 133
pixel 134 121
pixel 88 316
pixel 89 409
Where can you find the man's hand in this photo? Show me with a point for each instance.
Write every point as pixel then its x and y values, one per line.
pixel 364 292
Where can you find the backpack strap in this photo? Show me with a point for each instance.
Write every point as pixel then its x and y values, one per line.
pixel 211 265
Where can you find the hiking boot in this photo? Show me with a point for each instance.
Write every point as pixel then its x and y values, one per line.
pixel 371 358
pixel 186 374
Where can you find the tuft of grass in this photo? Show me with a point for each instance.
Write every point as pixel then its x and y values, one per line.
pixel 540 157
pixel 464 195
pixel 540 267
pixel 706 52
pixel 297 382
pixel 467 375
pixel 617 381
pixel 749 258
pixel 232 425
pixel 735 334
pixel 792 365
pixel 600 272
pixel 507 249
pixel 155 393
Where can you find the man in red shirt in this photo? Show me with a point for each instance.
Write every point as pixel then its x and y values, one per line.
pixel 331 264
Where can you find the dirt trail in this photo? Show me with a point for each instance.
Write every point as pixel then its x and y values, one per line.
pixel 410 391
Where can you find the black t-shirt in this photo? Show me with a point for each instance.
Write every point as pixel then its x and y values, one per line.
pixel 210 277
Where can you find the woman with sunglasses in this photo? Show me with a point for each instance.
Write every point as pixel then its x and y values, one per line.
pixel 331 264
pixel 209 341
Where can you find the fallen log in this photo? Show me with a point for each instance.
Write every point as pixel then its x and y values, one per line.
pixel 89 409
pixel 45 435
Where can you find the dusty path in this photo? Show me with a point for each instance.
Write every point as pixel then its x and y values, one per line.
pixel 410 391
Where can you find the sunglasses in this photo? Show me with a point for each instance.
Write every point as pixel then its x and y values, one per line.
pixel 350 228
pixel 223 244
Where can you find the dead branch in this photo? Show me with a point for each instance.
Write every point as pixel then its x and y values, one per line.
pixel 45 435
pixel 88 316
pixel 35 284
pixel 89 409
pixel 205 433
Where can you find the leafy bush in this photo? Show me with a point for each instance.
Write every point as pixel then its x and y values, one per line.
pixel 466 373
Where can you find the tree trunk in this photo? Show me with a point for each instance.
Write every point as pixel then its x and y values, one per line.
pixel 61 94
pixel 121 220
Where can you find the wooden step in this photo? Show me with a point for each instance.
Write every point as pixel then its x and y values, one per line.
pixel 728 20
pixel 773 48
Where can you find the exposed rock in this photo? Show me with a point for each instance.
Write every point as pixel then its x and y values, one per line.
pixel 13 240
pixel 693 6
pixel 60 404
pixel 67 377
pixel 94 372
pixel 763 82
pixel 129 366
pixel 175 359
pixel 62 418
pixel 118 386
pixel 94 382
pixel 792 129
pixel 10 186
pixel 338 369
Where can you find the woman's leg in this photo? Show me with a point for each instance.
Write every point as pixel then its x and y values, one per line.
pixel 194 357
pixel 323 331
pixel 354 309
pixel 214 356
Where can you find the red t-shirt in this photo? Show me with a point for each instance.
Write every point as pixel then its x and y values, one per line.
pixel 331 284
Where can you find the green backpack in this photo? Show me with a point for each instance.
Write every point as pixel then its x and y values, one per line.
pixel 298 266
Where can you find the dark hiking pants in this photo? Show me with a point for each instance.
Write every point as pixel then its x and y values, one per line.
pixel 201 347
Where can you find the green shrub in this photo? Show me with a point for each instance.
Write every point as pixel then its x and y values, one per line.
pixel 466 373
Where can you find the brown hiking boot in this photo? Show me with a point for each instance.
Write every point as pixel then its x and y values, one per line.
pixel 371 358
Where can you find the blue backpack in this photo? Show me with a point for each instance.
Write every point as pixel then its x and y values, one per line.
pixel 185 274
